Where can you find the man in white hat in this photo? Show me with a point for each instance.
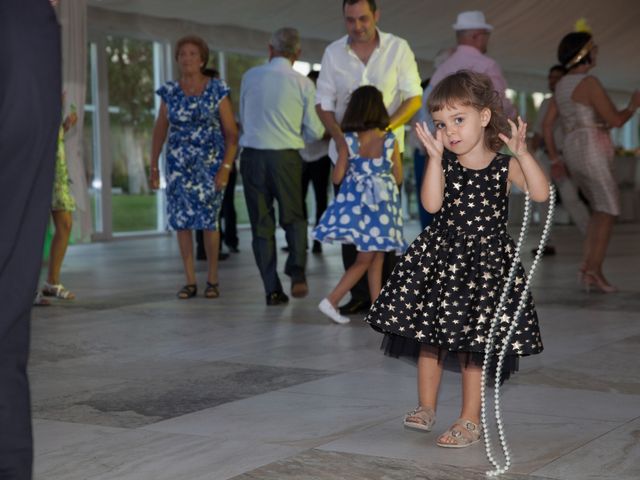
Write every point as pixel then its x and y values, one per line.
pixel 472 36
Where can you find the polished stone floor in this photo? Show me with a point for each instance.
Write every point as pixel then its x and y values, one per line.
pixel 131 384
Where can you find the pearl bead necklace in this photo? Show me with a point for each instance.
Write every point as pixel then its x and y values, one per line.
pixel 491 337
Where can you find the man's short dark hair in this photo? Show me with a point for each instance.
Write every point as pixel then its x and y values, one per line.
pixel 372 4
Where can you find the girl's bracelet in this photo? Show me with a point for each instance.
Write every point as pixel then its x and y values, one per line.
pixel 226 165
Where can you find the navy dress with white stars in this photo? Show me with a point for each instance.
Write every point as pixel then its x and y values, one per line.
pixel 445 290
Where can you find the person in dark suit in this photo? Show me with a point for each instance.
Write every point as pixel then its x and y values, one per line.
pixel 30 115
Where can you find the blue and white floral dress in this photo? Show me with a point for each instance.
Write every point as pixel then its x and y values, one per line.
pixel 367 211
pixel 195 150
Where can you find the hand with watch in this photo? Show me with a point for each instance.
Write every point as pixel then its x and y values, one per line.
pixel 222 177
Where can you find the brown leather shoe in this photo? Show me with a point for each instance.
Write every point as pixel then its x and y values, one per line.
pixel 299 289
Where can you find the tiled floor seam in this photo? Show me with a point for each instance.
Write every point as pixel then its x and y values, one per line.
pixel 534 472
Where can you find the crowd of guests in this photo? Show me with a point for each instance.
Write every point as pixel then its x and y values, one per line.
pixel 292 133
pixel 348 126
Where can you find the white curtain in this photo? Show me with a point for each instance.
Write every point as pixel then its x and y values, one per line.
pixel 72 15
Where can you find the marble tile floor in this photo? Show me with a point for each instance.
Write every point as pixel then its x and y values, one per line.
pixel 130 383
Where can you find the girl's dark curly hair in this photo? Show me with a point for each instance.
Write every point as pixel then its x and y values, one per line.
pixel 475 89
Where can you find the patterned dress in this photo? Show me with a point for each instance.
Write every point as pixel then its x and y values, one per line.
pixel 366 212
pixel 195 150
pixel 445 291
pixel 62 198
pixel 587 148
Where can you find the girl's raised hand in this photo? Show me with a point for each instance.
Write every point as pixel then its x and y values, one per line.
pixel 518 141
pixel 433 145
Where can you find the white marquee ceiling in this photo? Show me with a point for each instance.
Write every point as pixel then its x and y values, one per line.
pixel 524 40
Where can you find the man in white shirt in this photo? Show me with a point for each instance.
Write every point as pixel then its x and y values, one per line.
pixel 277 116
pixel 365 56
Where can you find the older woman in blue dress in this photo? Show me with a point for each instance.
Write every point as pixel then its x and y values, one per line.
pixel 196 119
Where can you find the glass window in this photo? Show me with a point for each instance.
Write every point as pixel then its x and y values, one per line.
pixel 237 65
pixel 302 67
pixel 212 64
pixel 131 118
pixel 89 141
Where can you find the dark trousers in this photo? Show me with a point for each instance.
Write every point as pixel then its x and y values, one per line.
pixel 419 166
pixel 30 116
pixel 316 173
pixel 360 291
pixel 228 235
pixel 268 176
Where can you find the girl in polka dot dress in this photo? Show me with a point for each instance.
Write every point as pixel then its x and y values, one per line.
pixel 442 296
pixel 366 211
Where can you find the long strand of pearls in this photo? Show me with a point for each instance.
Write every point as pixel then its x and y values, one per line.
pixel 491 338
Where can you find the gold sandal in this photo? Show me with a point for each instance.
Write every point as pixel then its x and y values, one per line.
pixel 420 418
pixel 461 434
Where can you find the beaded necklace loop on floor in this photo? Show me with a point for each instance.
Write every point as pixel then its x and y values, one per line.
pixel 491 337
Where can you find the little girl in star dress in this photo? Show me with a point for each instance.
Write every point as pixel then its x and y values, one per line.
pixel 366 211
pixel 442 296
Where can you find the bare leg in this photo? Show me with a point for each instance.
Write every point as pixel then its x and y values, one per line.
pixel 599 235
pixel 600 241
pixel 471 401
pixel 185 241
pixel 351 276
pixel 471 382
pixel 62 221
pixel 374 275
pixel 589 239
pixel 211 247
pixel 429 376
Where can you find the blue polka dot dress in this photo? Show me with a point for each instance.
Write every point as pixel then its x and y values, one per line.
pixel 195 150
pixel 366 212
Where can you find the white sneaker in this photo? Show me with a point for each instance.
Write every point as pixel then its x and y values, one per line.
pixel 331 312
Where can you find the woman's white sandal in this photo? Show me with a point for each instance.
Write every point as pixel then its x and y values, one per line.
pixel 57 291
